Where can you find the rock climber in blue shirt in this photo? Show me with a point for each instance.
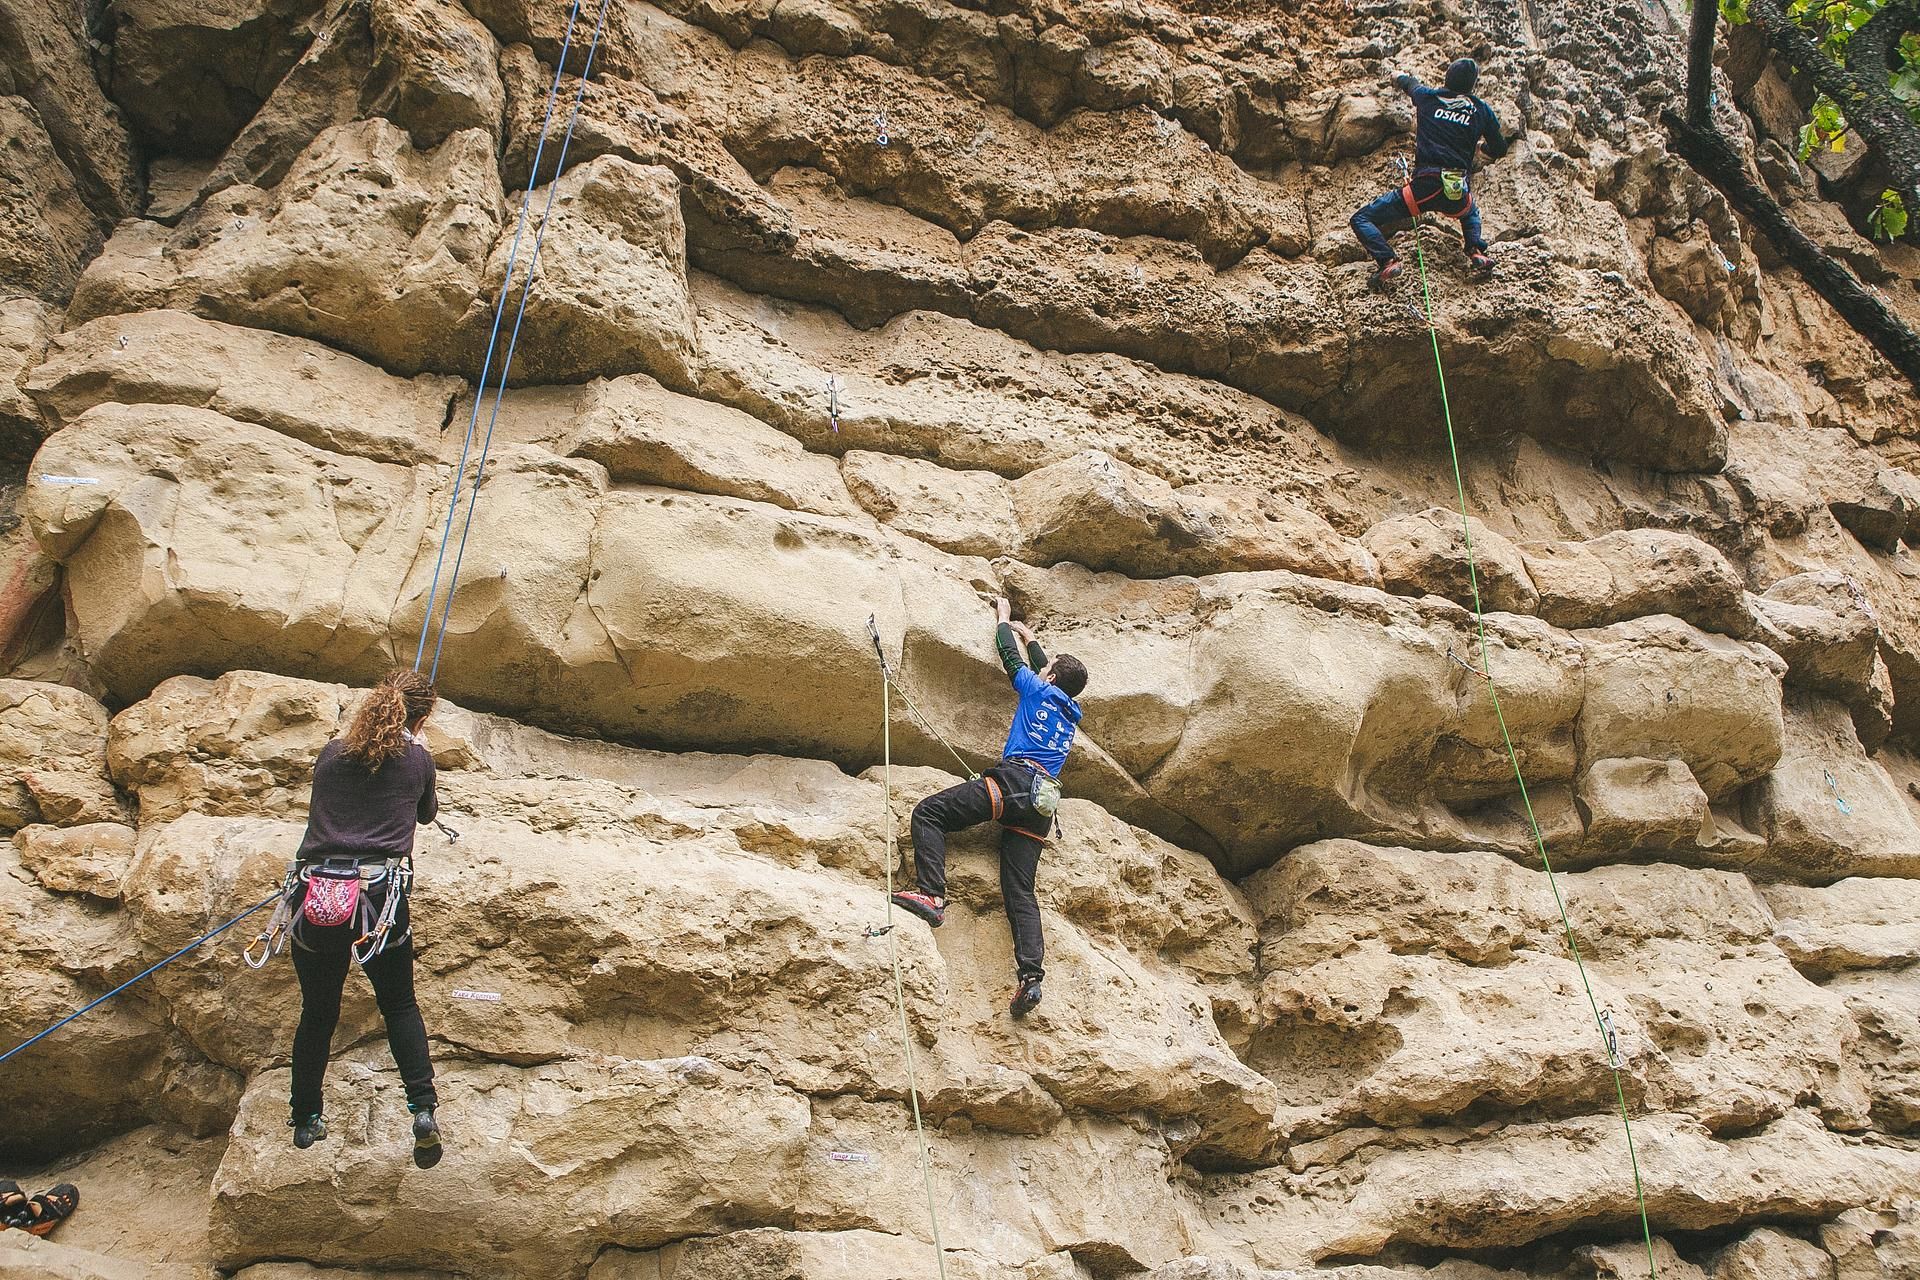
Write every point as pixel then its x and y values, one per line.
pixel 1450 127
pixel 1021 793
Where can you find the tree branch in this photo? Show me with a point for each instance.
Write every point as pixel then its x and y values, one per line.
pixel 1867 47
pixel 1864 96
pixel 1716 160
pixel 1706 21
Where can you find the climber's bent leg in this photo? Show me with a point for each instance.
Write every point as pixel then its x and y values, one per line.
pixel 955 809
pixel 1378 220
pixel 1471 230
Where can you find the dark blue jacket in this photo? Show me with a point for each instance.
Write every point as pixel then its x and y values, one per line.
pixel 1449 126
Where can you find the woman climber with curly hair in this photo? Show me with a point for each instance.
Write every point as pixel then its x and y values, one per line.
pixel 370 787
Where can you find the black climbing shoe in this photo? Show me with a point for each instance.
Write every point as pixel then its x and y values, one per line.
pixel 51 1208
pixel 1480 262
pixel 921 905
pixel 1389 272
pixel 309 1131
pixel 13 1206
pixel 426 1140
pixel 1026 998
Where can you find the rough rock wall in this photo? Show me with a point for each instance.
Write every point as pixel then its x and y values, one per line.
pixel 1099 339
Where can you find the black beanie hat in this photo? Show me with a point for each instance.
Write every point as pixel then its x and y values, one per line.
pixel 1462 75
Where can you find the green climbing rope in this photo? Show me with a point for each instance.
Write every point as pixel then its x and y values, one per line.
pixel 893 953
pixel 1513 756
pixel 939 737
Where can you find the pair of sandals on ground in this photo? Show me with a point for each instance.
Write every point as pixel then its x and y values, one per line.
pixel 36 1215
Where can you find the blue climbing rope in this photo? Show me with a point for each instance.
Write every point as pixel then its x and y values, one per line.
pixel 493 338
pixel 513 339
pixel 203 938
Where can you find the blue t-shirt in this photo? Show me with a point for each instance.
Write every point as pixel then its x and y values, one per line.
pixel 1448 127
pixel 1043 723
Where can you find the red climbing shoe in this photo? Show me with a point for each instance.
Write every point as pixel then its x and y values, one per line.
pixel 1026 998
pixel 1389 272
pixel 1480 262
pixel 921 905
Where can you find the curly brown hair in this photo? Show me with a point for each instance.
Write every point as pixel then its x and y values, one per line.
pixel 377 732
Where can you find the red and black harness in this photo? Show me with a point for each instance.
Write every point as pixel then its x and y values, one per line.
pixel 1427 192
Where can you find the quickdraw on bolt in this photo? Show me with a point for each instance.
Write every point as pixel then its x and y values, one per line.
pixel 1613 1040
pixel 833 400
pixel 1462 662
pixel 1833 786
pixel 880 124
pixel 876 931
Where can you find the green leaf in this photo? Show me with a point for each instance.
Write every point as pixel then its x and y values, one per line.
pixel 1888 221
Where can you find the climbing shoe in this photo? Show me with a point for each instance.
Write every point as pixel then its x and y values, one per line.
pixel 921 905
pixel 1389 272
pixel 50 1208
pixel 426 1140
pixel 1026 998
pixel 1480 262
pixel 14 1211
pixel 308 1131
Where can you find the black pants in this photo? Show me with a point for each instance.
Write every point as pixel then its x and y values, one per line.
pixel 1001 794
pixel 322 957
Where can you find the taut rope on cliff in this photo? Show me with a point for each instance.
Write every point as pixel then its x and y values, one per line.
pixel 1601 1021
pixel 513 338
pixel 893 950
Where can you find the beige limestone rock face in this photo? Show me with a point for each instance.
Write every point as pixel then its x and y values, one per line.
pixel 758 869
pixel 645 1151
pixel 160 554
pixel 1825 809
pixel 969 513
pixel 1270 708
pixel 92 858
pixel 1401 987
pixel 1465 1193
pixel 1658 688
pixel 26 324
pixel 49 63
pixel 1632 573
pixel 1856 923
pixel 1426 554
pixel 366 244
pixel 643 433
pixel 190 76
pixel 610 295
pixel 1097 511
pixel 47 232
pixel 297 387
pixel 53 757
pixel 1886 1007
pixel 1636 803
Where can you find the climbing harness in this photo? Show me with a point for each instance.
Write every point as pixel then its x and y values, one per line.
pixel 209 936
pixel 499 311
pixel 1603 1021
pixel 334 892
pixel 892 856
pixel 273 939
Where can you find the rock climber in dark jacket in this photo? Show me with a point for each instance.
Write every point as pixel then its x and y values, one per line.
pixel 370 787
pixel 1451 126
pixel 1021 793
